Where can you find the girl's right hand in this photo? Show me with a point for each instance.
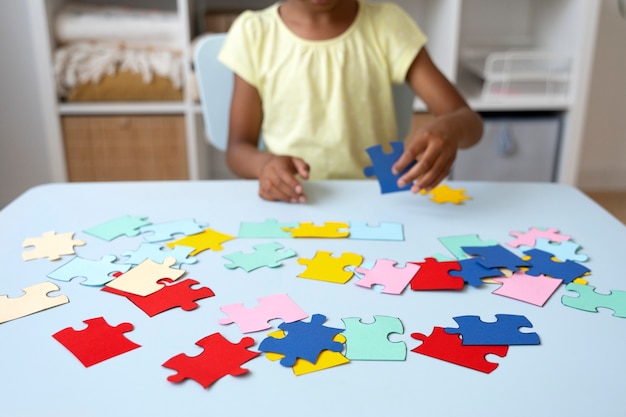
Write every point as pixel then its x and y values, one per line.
pixel 277 179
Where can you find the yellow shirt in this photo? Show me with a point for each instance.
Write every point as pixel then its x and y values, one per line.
pixel 325 101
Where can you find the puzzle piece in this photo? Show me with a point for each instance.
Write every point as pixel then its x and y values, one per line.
pixel 563 251
pixel 208 239
pixel 380 231
pixel 472 272
pixel 324 267
pixel 590 300
pixel 448 347
pixel 385 273
pixel 503 332
pixel 542 263
pixel 534 290
pixel 269 229
pixel 122 226
pixel 266 254
pixel 496 257
pixel 435 275
pixel 34 300
pixel 442 194
pixel 179 294
pixel 161 232
pixel 50 245
pixel 96 273
pixel 158 253
pixel 381 167
pixel 98 342
pixel 219 358
pixel 529 238
pixel 304 340
pixel 257 318
pixel 370 341
pixel 330 230
pixel 455 244
pixel 143 279
pixel 327 359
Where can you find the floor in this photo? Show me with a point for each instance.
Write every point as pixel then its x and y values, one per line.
pixel 613 202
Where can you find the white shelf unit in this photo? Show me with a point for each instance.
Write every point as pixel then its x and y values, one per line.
pixel 452 26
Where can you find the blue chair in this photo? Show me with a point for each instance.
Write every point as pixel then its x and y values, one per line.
pixel 215 86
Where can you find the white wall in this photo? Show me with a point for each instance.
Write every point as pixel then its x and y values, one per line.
pixel 603 164
pixel 24 156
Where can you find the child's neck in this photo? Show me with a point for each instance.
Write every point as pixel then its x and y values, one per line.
pixel 318 23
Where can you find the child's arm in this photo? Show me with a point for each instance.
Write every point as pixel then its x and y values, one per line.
pixel 435 145
pixel 276 173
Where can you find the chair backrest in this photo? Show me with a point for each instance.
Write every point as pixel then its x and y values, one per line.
pixel 215 87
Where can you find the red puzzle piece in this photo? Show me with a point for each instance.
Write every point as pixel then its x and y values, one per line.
pixel 98 342
pixel 449 348
pixel 180 294
pixel 435 275
pixel 220 358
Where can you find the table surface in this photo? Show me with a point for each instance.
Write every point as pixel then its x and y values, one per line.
pixel 577 370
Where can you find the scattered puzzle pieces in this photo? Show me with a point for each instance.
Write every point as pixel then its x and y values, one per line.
pixel 330 230
pixel 529 238
pixel 178 294
pixel 158 253
pixel 96 273
pixel 448 347
pixel 160 232
pixel 381 167
pixel 370 341
pixel 208 239
pixel 144 278
pixel 122 226
pixel 385 273
pixel 435 275
pixel 503 332
pixel 256 318
pixel 50 245
pixel 269 229
pixel 98 342
pixel 473 272
pixel 219 358
pixel 325 267
pixel 265 254
pixel 442 194
pixel 305 340
pixel 496 256
pixel 455 244
pixel 34 300
pixel 381 231
pixel 533 290
pixel 590 300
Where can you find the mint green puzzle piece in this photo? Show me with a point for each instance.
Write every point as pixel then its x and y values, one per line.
pixel 125 225
pixel 370 341
pixel 269 229
pixel 455 244
pixel 266 254
pixel 589 300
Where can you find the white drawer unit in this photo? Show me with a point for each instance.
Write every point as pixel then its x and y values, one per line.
pixel 513 148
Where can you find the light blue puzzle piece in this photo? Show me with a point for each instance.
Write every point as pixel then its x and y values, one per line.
pixel 455 244
pixel 121 226
pixel 96 273
pixel 370 341
pixel 166 230
pixel 269 229
pixel 563 251
pixel 267 254
pixel 380 231
pixel 158 253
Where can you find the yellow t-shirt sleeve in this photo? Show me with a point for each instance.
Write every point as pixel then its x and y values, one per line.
pixel 237 53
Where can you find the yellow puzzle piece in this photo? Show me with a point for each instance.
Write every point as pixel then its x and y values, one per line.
pixel 327 230
pixel 444 194
pixel 207 239
pixel 325 267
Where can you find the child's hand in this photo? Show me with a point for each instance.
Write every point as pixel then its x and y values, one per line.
pixel 434 150
pixel 277 181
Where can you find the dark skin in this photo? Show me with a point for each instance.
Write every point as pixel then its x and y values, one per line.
pixel 434 146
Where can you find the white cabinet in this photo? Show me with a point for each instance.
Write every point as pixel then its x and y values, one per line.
pixel 456 29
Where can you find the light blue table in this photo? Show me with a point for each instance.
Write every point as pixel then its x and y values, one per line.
pixel 578 370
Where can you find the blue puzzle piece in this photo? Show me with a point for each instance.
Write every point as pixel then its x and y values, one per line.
pixel 503 332
pixel 160 232
pixel 563 251
pixel 158 253
pixel 472 271
pixel 496 256
pixel 381 167
pixel 96 273
pixel 269 229
pixel 541 263
pixel 122 226
pixel 304 340
pixel 380 231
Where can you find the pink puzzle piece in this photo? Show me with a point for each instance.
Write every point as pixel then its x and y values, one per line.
pixel 385 273
pixel 255 319
pixel 529 238
pixel 530 289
